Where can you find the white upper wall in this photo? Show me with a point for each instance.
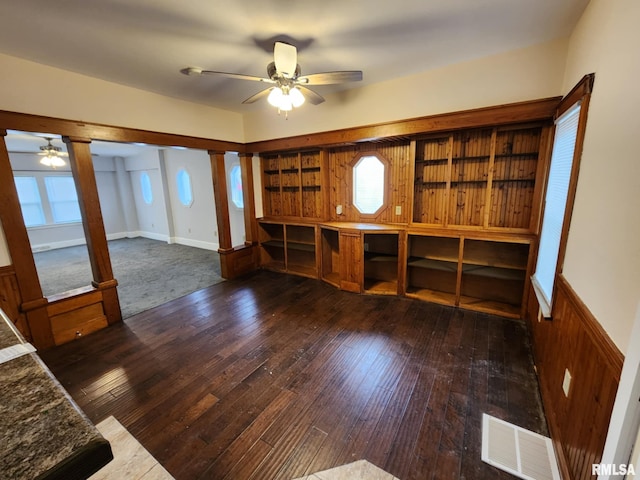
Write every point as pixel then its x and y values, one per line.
pixel 525 74
pixel 602 260
pixel 29 87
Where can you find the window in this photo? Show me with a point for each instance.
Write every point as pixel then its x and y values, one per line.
pixel 63 199
pixel 30 202
pixel 185 194
pixel 555 206
pixel 145 186
pixel 369 184
pixel 235 176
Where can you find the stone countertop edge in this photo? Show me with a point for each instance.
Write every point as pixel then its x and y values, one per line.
pixel 43 433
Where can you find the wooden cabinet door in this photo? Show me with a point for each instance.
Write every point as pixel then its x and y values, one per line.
pixel 351 259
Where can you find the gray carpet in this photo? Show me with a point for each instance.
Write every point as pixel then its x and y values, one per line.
pixel 149 272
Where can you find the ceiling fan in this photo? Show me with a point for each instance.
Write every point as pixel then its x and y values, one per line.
pixel 289 86
pixel 52 155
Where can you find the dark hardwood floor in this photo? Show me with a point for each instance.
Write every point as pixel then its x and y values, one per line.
pixel 277 376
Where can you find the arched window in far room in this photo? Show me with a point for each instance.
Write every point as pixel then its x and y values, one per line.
pixel 145 187
pixel 185 193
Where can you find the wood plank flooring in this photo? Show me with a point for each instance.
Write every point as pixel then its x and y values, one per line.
pixel 276 376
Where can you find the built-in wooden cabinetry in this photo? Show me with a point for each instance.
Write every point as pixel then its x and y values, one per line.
pixel 478 273
pixel 459 227
pixel 483 178
pixel 288 247
pixel 293 184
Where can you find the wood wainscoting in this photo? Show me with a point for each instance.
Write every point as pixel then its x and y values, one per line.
pixel 10 300
pixel 574 340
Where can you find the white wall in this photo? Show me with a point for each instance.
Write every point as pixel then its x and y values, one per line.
pixel 603 252
pixel 110 196
pixel 525 74
pixel 194 225
pixel 152 218
pixel 29 87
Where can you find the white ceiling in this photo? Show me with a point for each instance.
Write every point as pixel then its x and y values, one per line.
pixel 30 142
pixel 144 43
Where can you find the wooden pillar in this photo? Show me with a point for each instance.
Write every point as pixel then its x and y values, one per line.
pixel 219 178
pixel 85 180
pixel 250 224
pixel 33 304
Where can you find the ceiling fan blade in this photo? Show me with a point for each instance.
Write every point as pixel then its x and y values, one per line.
pixel 285 57
pixel 329 78
pixel 258 96
pixel 239 76
pixel 311 96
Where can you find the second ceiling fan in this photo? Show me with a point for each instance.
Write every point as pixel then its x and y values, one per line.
pixel 289 86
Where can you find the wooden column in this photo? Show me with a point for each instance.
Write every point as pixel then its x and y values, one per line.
pixel 84 178
pixel 250 224
pixel 221 198
pixel 33 304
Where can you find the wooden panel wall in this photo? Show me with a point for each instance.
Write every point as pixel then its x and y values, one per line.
pixel 10 300
pixel 574 340
pixel 398 155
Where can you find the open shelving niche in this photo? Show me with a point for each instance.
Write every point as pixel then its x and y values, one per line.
pixel 477 274
pixel 293 184
pixel 381 263
pixel 330 255
pixel 483 178
pixel 288 247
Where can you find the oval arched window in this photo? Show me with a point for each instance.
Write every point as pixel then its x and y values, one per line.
pixel 185 193
pixel 145 187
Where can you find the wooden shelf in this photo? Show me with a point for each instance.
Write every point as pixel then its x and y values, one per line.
pixel 304 247
pixel 311 169
pixel 493 272
pixel 428 295
pixel 514 180
pixel 434 160
pixel 433 264
pixel 488 306
pixel 380 287
pixel 274 243
pixel 475 157
pixel 517 155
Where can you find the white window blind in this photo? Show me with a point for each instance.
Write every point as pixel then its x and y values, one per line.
pixel 555 205
pixel 30 202
pixel 61 191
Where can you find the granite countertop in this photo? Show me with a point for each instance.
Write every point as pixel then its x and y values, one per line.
pixel 43 433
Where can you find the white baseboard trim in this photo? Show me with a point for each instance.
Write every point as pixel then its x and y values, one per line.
pixel 214 246
pixel 55 245
pixel 189 242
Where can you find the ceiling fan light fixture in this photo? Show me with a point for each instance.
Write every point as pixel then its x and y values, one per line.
pixel 297 99
pixel 52 160
pixel 274 97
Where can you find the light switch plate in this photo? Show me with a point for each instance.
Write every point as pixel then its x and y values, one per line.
pixel 338 209
pixel 398 210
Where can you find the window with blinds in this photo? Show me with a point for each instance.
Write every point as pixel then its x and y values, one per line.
pixel 555 206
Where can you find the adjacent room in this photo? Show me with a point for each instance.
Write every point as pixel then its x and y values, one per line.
pixel 276 240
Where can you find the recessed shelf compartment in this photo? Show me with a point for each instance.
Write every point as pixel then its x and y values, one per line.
pixel 381 263
pixel 293 185
pixel 330 247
